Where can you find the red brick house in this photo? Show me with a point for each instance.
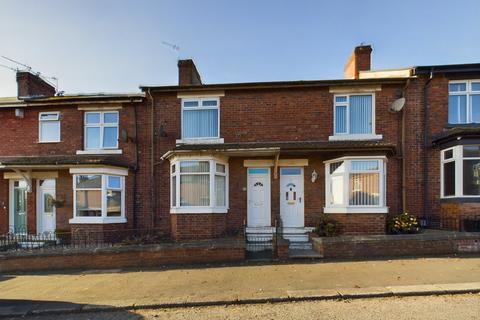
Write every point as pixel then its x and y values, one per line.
pixel 200 161
pixel 271 153
pixel 67 161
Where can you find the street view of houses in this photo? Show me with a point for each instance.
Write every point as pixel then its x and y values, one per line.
pixel 239 160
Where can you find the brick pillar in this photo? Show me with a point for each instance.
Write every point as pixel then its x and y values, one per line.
pixel 32 209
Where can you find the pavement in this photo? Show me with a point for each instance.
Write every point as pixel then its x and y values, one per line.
pixel 44 293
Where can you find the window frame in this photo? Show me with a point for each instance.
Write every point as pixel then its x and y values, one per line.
pixel 347 105
pixel 105 174
pixel 468 93
pixel 345 207
pixel 200 107
pixel 458 158
pixel 212 207
pixel 102 125
pixel 40 121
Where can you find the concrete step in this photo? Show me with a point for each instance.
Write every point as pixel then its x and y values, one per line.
pixel 303 245
pixel 304 254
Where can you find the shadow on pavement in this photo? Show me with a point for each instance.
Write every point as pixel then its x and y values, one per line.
pixel 38 309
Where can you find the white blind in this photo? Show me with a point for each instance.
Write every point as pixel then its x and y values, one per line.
pixel 360 114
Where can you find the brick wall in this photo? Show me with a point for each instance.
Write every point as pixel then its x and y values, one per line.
pixel 396 245
pixel 126 257
pixel 299 114
pixel 360 224
pixel 198 226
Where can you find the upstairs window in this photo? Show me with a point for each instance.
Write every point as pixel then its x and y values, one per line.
pixel 464 102
pixel 101 130
pixel 200 118
pixel 354 114
pixel 49 127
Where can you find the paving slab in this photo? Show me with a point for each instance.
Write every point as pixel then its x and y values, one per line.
pixel 242 283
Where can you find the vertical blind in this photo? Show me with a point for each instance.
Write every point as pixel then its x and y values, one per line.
pixel 360 114
pixel 195 187
pixel 364 189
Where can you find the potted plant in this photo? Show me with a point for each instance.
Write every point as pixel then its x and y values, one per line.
pixel 403 224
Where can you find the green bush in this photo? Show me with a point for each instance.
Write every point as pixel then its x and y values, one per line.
pixel 326 226
pixel 403 223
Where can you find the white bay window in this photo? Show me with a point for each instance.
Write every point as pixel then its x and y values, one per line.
pixel 98 195
pixel 356 185
pixel 199 185
pixel 460 172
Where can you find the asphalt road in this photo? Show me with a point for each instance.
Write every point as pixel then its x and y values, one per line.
pixel 425 308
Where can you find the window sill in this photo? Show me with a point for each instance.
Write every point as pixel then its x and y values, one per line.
pixel 197 210
pixel 97 220
pixel 200 141
pixel 100 151
pixel 47 142
pixel 346 137
pixel 355 210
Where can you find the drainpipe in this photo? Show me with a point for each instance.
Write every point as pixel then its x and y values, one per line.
pixel 426 143
pixel 135 170
pixel 152 160
pixel 404 166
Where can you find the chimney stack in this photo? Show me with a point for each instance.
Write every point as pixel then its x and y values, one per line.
pixel 33 86
pixel 359 61
pixel 188 74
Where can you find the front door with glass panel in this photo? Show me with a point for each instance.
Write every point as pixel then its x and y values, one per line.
pixel 46 208
pixel 18 208
pixel 258 197
pixel 291 197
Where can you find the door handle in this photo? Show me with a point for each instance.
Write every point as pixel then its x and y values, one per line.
pixel 300 199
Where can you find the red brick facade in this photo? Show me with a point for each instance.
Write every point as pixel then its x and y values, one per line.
pixel 256 113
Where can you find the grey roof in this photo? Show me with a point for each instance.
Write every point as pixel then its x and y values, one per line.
pixel 63 160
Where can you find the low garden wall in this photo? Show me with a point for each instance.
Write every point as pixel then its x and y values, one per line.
pixel 425 244
pixel 154 255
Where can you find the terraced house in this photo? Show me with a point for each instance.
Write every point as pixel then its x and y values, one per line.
pixel 199 161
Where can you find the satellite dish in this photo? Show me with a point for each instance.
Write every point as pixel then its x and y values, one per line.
pixel 397 105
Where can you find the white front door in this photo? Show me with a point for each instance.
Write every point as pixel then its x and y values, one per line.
pixel 258 197
pixel 46 209
pixel 291 197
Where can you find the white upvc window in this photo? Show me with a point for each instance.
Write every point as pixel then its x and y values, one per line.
pixel 355 185
pixel 101 130
pixel 199 185
pixel 98 197
pixel 201 118
pixel 354 116
pixel 48 127
pixel 464 101
pixel 460 172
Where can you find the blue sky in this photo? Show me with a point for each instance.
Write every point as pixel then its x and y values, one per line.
pixel 116 45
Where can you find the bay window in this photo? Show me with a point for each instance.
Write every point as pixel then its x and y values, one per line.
pixel 354 117
pixel 355 184
pixel 199 186
pixel 99 197
pixel 460 172
pixel 200 118
pixel 464 102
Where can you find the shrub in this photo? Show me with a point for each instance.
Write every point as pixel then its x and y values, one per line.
pixel 326 226
pixel 403 223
